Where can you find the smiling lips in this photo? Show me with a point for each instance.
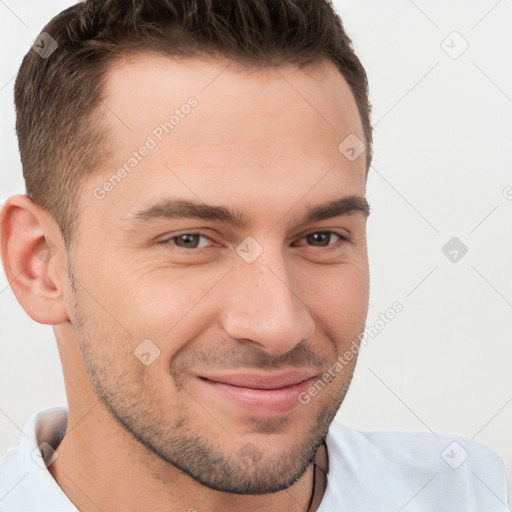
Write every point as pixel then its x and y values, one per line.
pixel 260 393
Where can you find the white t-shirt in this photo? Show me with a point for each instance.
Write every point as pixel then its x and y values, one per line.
pixel 368 472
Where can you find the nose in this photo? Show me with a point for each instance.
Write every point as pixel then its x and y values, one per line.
pixel 261 306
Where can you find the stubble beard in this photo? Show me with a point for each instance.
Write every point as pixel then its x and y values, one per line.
pixel 132 402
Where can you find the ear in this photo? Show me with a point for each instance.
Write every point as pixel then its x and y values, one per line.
pixel 34 259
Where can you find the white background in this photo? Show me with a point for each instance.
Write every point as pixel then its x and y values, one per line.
pixel 442 165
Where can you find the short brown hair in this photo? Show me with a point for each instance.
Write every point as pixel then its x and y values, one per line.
pixel 57 95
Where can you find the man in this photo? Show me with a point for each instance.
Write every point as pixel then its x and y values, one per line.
pixel 194 230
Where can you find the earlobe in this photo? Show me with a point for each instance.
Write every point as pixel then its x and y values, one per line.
pixel 32 251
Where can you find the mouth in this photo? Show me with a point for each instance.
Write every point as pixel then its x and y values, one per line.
pixel 258 393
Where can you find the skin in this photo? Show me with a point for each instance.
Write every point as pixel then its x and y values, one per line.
pixel 265 143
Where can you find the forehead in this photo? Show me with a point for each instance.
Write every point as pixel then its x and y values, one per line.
pixel 248 128
pixel 157 76
pixel 234 102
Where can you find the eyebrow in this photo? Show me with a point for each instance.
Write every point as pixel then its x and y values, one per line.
pixel 169 208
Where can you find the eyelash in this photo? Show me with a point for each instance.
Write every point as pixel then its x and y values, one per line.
pixel 342 238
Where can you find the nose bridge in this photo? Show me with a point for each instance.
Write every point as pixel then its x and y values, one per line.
pixel 262 306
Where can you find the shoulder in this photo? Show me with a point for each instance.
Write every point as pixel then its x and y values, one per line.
pixel 458 472
pixel 25 482
pixel 413 447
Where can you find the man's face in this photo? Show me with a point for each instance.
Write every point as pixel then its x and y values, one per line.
pixel 199 334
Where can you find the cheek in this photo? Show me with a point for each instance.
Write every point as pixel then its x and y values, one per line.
pixel 145 299
pixel 338 295
pixel 353 294
pixel 161 300
pixel 171 308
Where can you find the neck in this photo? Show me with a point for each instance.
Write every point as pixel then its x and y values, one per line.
pixel 101 466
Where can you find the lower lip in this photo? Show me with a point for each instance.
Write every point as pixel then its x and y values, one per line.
pixel 260 401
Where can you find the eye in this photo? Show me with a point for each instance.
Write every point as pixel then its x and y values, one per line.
pixel 187 240
pixel 198 240
pixel 322 238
